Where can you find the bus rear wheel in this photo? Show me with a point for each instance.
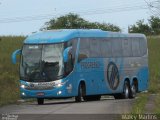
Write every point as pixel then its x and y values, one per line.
pixel 126 92
pixel 133 91
pixel 40 101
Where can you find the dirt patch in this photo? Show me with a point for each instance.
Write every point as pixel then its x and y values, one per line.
pixel 150 106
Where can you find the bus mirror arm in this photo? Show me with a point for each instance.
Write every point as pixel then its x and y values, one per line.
pixel 14 55
pixel 66 53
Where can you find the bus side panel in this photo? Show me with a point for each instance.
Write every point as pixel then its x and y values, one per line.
pixel 113 75
pixel 139 71
pixel 90 70
pixel 143 79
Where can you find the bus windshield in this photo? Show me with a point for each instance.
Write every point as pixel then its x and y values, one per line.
pixel 42 63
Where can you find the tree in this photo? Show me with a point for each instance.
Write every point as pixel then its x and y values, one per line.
pixel 140 27
pixel 74 21
pixel 152 28
pixel 155 25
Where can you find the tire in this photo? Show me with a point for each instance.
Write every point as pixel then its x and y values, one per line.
pixel 81 93
pixel 126 90
pixel 133 91
pixel 40 101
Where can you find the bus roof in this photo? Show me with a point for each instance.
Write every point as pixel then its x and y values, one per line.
pixel 62 35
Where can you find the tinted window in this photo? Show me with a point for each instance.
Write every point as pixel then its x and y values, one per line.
pixel 106 47
pixel 116 47
pixel 127 47
pixel 95 47
pixel 73 43
pixel 84 49
pixel 143 46
pixel 136 47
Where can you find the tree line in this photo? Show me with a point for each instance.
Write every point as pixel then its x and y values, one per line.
pixel 74 21
pixel 150 28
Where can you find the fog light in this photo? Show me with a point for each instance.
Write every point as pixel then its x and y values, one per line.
pixel 23 94
pixel 59 92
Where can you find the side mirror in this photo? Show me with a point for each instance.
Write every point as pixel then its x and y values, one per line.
pixel 14 56
pixel 66 54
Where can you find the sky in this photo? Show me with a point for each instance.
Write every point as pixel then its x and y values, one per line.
pixel 23 17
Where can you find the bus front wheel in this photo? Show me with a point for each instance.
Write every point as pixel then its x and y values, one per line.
pixel 81 93
pixel 40 101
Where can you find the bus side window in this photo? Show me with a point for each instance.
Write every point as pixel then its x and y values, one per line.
pixel 136 47
pixel 83 49
pixel 116 47
pixel 106 48
pixel 143 46
pixel 71 60
pixel 95 47
pixel 69 65
pixel 127 47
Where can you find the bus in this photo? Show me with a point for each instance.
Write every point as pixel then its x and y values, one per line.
pixel 82 63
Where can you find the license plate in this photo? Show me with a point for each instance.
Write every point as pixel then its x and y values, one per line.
pixel 40 94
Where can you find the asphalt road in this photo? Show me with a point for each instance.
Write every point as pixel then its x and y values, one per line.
pixel 68 109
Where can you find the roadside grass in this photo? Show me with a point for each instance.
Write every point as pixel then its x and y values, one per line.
pixel 157 109
pixel 154 64
pixel 9 92
pixel 139 105
pixel 154 82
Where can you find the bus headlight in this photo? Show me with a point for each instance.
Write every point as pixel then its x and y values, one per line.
pixel 23 86
pixel 59 83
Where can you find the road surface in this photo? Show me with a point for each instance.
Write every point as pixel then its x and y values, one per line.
pixel 68 109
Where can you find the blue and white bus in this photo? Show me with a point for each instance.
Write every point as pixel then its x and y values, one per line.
pixel 82 63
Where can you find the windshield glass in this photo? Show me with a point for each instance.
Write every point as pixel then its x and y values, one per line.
pixel 42 62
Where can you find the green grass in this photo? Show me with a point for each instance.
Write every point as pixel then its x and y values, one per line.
pixel 154 72
pixel 154 64
pixel 9 92
pixel 157 101
pixel 139 105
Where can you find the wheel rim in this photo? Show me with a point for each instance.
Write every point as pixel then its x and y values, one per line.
pixel 133 91
pixel 126 92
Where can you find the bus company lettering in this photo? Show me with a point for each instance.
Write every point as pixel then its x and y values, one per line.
pixel 87 65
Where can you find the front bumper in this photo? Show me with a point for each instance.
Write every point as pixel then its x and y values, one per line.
pixel 54 92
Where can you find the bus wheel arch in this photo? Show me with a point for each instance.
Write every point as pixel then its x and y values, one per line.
pixel 81 91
